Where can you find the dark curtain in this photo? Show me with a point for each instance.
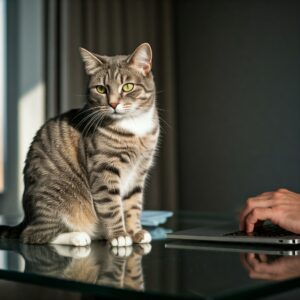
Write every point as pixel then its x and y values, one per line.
pixel 115 27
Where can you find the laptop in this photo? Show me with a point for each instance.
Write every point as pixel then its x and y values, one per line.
pixel 266 249
pixel 267 233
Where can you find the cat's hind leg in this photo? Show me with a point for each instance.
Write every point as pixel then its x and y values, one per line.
pixel 53 234
pixel 41 233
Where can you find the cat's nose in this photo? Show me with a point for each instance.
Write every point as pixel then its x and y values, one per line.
pixel 114 104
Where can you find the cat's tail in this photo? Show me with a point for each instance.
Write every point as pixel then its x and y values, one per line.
pixel 11 232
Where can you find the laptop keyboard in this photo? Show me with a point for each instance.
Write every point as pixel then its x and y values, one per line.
pixel 269 230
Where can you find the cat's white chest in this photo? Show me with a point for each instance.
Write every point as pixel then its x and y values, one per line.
pixel 139 125
pixel 129 179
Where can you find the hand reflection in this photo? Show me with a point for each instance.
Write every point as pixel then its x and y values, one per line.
pixel 98 264
pixel 262 266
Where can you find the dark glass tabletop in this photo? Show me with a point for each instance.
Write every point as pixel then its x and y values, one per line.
pixel 162 269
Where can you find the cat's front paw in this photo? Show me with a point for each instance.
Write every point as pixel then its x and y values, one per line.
pixel 80 239
pixel 121 241
pixel 142 237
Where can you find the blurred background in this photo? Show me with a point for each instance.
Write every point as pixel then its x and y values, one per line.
pixel 228 82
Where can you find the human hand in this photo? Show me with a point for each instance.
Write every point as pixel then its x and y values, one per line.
pixel 260 267
pixel 282 207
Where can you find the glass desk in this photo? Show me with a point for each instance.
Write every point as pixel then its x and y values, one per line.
pixel 155 271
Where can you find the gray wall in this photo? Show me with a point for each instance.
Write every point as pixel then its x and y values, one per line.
pixel 238 88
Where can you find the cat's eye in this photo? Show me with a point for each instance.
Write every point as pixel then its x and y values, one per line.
pixel 127 87
pixel 101 89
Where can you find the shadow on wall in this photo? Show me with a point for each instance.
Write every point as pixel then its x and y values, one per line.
pixel 238 80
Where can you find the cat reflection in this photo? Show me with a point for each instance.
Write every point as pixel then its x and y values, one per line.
pixel 98 263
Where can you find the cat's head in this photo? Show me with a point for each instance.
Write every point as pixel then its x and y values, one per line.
pixel 120 86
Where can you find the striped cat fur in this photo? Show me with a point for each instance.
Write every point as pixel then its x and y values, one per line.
pixel 85 170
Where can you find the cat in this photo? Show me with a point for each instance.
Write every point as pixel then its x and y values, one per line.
pixel 85 171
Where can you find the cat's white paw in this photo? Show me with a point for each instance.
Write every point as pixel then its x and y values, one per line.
pixel 122 251
pixel 142 237
pixel 121 241
pixel 80 239
pixel 147 238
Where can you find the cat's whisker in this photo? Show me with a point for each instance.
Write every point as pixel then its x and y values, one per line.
pixel 85 129
pixel 85 118
pixel 96 125
pixel 99 123
pixel 93 124
pixel 89 124
pixel 86 109
pixel 159 92
pixel 161 119
pixel 83 111
pixel 160 109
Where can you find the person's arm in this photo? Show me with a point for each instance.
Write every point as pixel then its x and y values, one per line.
pixel 282 207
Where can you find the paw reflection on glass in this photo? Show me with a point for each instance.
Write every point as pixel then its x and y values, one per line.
pixel 128 263
pixel 271 267
pixel 122 251
pixel 70 251
pixel 98 263
pixel 143 249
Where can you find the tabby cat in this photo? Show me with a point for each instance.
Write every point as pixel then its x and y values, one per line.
pixel 85 170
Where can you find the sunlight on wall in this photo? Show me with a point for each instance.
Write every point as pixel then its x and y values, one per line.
pixel 3 261
pixel 31 117
pixel 2 90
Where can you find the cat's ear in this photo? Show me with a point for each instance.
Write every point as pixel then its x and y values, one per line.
pixel 141 59
pixel 92 63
